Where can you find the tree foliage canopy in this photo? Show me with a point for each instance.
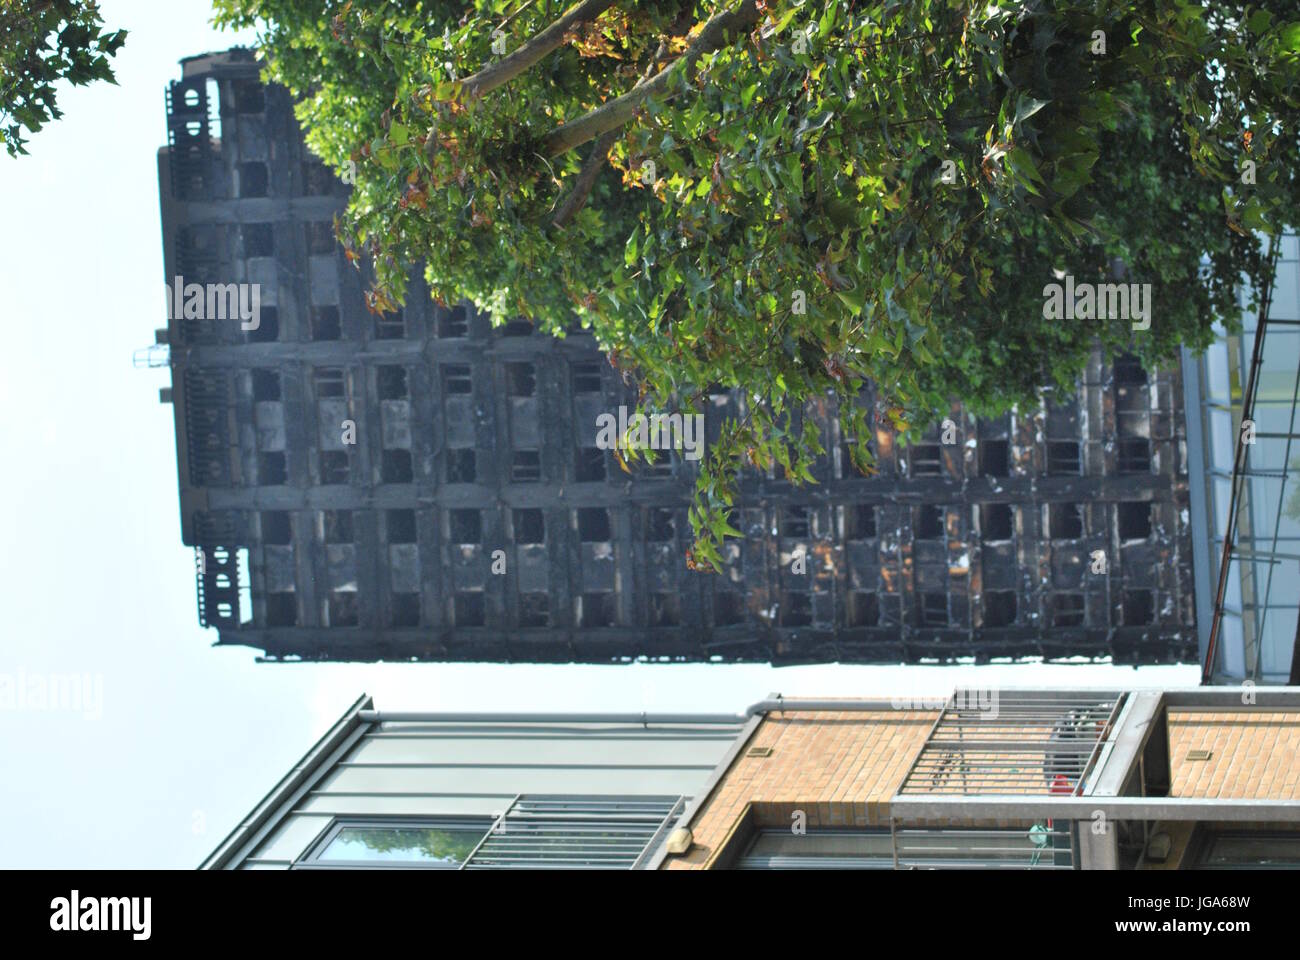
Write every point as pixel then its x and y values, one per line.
pixel 794 198
pixel 42 42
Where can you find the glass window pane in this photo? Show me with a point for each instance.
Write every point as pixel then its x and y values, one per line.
pixel 1232 651
pixel 1216 372
pixel 1278 641
pixel 845 844
pixel 1222 497
pixel 1277 364
pixel 1223 442
pixel 432 846
pixel 1232 590
pixel 1261 850
pixel 819 850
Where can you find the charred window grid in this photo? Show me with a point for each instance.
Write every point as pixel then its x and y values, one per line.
pixel 534 610
pixel 863 609
pixel 281 609
pixel 266 385
pixel 254 179
pixel 932 609
pixel 1133 455
pixel 391 325
pixel 995 458
pixel 320 237
pixel 999 608
pixel 1062 454
pixel 1068 610
pixel 335 467
pixel 257 239
pixel 465 526
pixel 795 522
pixel 1063 458
pixel 589 465
pixel 272 469
pixel 469 608
pixel 1138 608
pixel 461 465
pixel 891 608
pixel 595 610
pixel 529 526
pixel 276 528
pixel 317 180
pixel 326 324
pixel 454 323
pixel 404 609
pixel 1129 370
pixel 859 521
pixel 268 326
pixel 520 379
pixel 1133 411
pixel 1064 521
pixel 400 526
pixel 593 524
pixel 457 379
pixel 796 608
pixel 342 609
pixel 925 459
pixel 250 96
pixel 1132 418
pixel 665 610
pixel 728 608
pixel 526 466
pixel 996 522
pixel 395 466
pixel 1133 520
pixel 516 328
pixel 928 522
pixel 329 382
pixel 586 378
pixel 336 526
pixel 659 525
pixel 391 383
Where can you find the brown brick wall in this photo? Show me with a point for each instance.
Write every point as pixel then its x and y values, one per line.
pixel 1254 756
pixel 840 768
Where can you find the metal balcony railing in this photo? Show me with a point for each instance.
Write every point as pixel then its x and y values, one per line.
pixel 578 833
pixel 188 137
pixel 1048 845
pixel 207 431
pixel 216 571
pixel 1019 742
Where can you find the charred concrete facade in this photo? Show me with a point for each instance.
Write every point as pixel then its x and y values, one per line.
pixel 422 486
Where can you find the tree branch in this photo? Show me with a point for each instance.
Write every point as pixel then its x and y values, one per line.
pixel 586 179
pixel 591 169
pixel 617 112
pixel 508 67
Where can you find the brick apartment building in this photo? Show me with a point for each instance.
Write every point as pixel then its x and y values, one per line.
pixel 469 446
pixel 1012 779
pixel 997 779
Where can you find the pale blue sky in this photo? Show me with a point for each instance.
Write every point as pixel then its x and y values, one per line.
pixel 93 576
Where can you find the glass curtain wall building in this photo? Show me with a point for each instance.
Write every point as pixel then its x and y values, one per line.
pixel 1243 431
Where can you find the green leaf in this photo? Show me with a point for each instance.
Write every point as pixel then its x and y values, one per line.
pixel 1289 37
pixel 1026 107
pixel 1023 164
pixel 854 299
